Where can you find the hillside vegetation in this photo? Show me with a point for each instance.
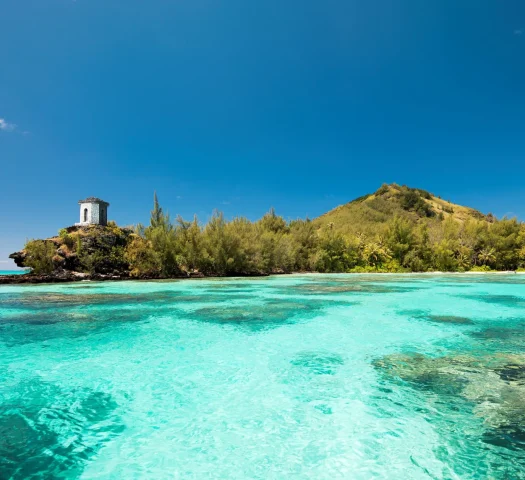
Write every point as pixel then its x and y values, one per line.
pixel 396 229
pixel 370 214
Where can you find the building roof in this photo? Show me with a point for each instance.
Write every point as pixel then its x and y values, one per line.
pixel 94 200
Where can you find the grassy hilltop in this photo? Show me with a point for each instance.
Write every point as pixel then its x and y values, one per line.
pixel 369 213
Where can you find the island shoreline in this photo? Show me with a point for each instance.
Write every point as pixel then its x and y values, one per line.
pixel 28 279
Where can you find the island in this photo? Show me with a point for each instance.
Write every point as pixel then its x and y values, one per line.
pixel 396 229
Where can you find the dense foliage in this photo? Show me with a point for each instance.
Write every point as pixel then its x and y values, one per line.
pixel 40 255
pixel 271 244
pixel 397 229
pixel 92 249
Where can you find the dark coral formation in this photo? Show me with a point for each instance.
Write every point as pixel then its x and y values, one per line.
pixel 430 317
pixel 44 428
pixel 493 384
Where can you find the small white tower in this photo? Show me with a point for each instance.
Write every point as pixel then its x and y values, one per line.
pixel 93 211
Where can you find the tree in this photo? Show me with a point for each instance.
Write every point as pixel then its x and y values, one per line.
pixel 375 254
pixel 142 259
pixel 157 218
pixel 305 242
pixel 487 256
pixel 189 246
pixel 219 246
pixel 443 257
pixel 161 236
pixel 273 222
pixel 39 256
pixel 399 238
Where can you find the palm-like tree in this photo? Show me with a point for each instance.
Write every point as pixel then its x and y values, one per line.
pixel 464 256
pixel 361 240
pixel 487 256
pixel 375 254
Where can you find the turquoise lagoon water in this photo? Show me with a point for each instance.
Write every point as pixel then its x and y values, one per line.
pixel 304 376
pixel 12 272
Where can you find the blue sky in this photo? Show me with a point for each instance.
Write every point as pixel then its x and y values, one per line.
pixel 239 105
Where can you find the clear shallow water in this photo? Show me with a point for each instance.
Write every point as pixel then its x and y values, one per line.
pixel 12 272
pixel 321 377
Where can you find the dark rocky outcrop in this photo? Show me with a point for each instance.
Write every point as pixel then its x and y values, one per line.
pixel 78 253
pixel 62 277
pixel 18 258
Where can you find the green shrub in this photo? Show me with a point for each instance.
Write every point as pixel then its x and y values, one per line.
pixel 66 238
pixel 481 268
pixel 412 201
pixel 39 256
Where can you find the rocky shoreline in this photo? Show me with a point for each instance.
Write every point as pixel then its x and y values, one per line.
pixel 70 277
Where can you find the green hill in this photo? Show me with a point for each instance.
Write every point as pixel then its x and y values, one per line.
pixel 370 213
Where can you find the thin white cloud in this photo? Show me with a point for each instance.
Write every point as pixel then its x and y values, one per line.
pixel 509 215
pixel 6 126
pixel 519 31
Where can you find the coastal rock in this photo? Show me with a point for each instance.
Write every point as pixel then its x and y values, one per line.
pixel 18 258
pixel 60 277
pixel 93 249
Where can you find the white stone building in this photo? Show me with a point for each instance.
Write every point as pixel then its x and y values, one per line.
pixel 93 211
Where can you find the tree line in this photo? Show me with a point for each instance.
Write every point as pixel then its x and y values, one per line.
pixel 167 248
pixel 271 244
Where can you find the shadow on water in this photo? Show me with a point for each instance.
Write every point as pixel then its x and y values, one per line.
pixel 349 287
pixel 46 432
pixel 512 301
pixel 496 279
pixel 40 301
pixel 63 324
pixel 237 287
pixel 72 316
pixel 429 317
pixel 267 315
pixel 48 326
pixel 510 336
